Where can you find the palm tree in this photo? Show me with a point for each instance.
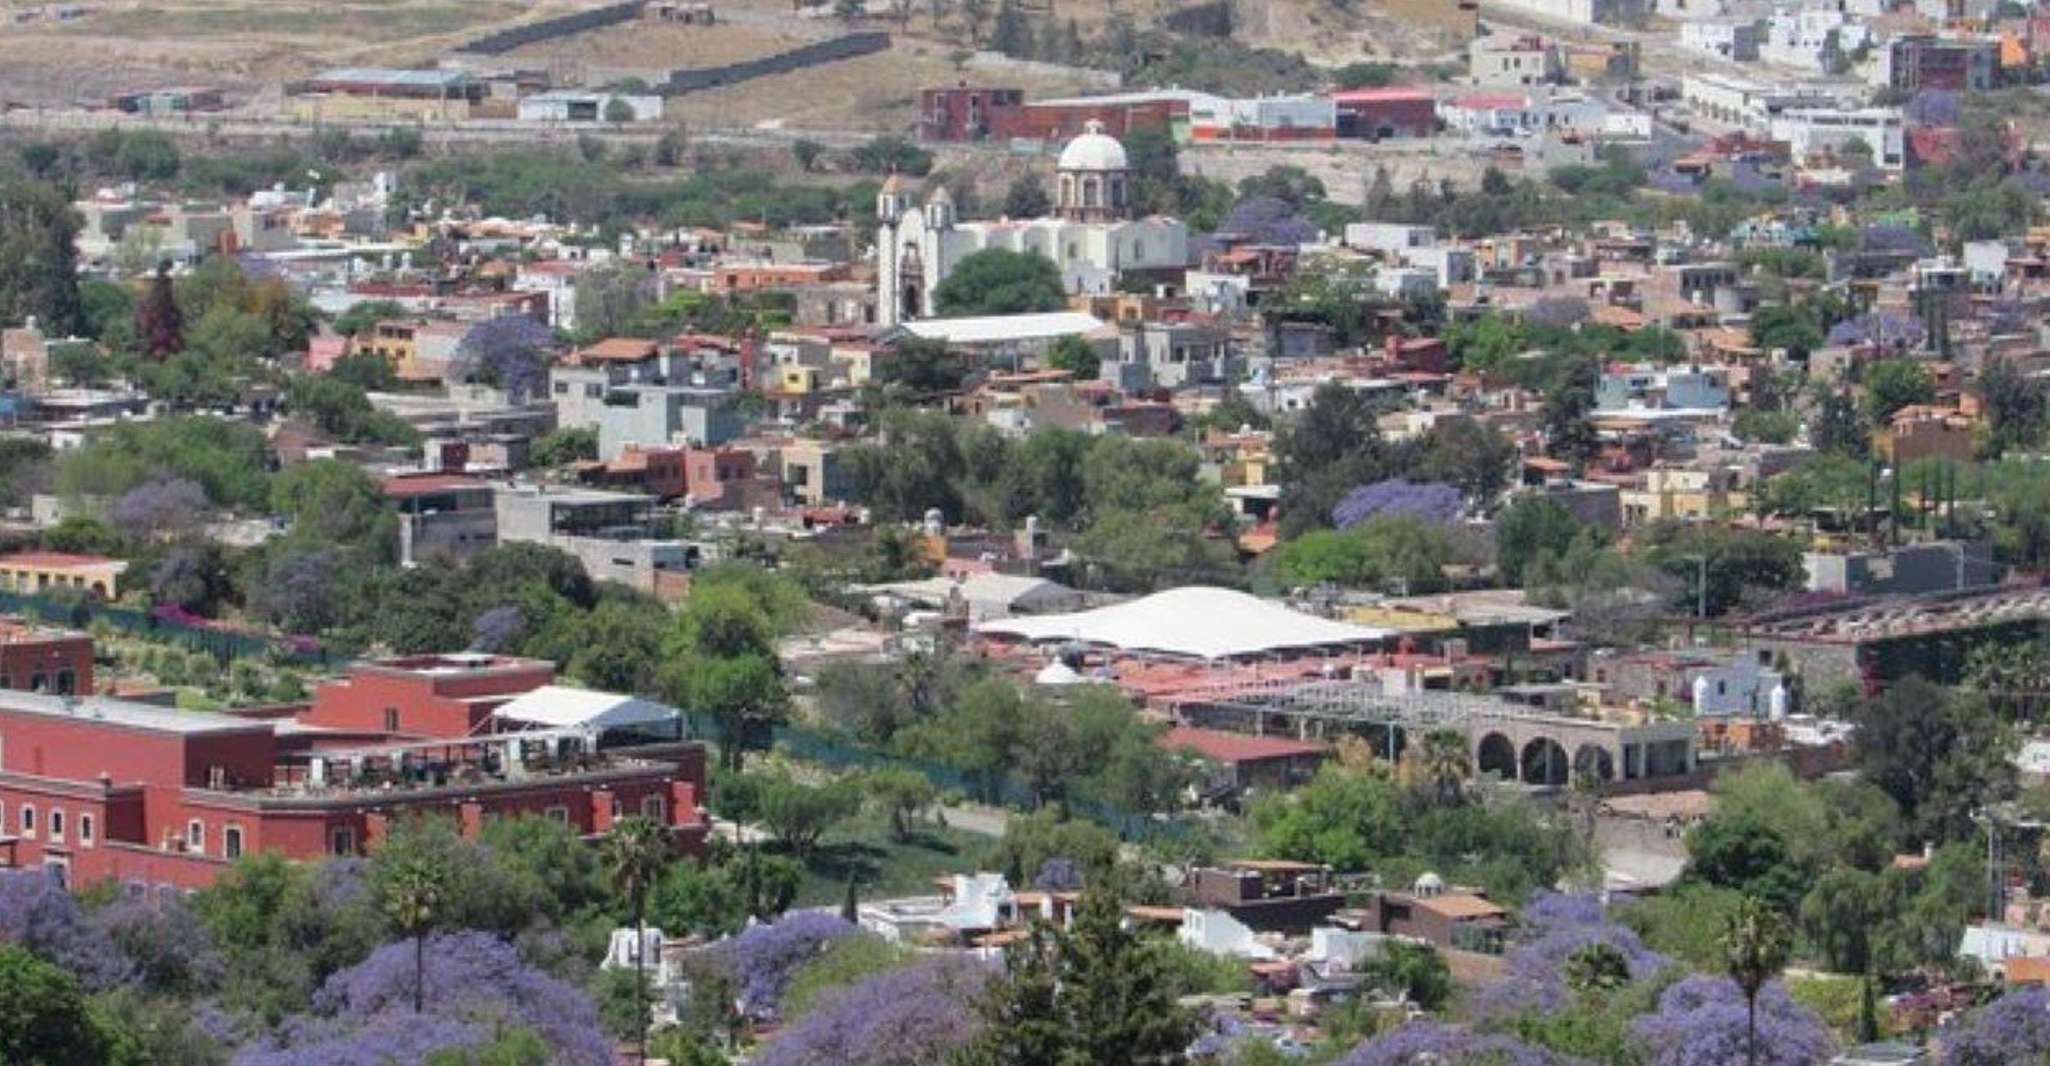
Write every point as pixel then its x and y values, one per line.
pixel 635 853
pixel 1754 952
pixel 412 892
pixel 1445 765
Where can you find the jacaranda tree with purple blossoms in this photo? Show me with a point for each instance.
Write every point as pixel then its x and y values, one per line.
pixel 2014 1028
pixel 1433 503
pixel 1431 1043
pixel 762 960
pixel 40 914
pixel 364 1014
pixel 1701 1021
pixel 905 1017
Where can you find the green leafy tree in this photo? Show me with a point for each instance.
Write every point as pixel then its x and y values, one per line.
pixel 45 1019
pixel 799 814
pixel 1415 971
pixel 38 263
pixel 996 281
pixel 722 661
pixel 1892 384
pixel 363 314
pixel 2017 406
pixel 413 892
pixel 565 445
pixel 1026 198
pixel 1529 530
pixel 905 796
pixel 1755 951
pixel 1095 994
pixel 1569 433
pixel 635 852
pixel 1074 355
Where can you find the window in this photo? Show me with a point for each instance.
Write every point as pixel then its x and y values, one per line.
pixel 28 820
pixel 341 840
pixel 231 842
pixel 195 835
pixel 56 825
pixel 559 815
pixel 654 808
pixel 391 719
pixel 85 829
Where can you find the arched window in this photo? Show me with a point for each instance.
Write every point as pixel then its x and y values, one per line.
pixel 1092 192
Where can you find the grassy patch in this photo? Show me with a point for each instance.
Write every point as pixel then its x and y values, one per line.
pixel 883 866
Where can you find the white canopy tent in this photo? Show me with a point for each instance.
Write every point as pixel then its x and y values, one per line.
pixel 1198 622
pixel 560 707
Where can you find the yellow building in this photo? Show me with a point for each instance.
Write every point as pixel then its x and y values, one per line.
pixel 1679 493
pixel 378 93
pixel 32 572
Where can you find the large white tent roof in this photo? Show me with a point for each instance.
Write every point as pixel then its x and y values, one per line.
pixel 560 707
pixel 1197 621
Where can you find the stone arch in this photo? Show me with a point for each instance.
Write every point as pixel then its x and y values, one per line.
pixel 1496 754
pixel 1594 760
pixel 1092 192
pixel 1544 762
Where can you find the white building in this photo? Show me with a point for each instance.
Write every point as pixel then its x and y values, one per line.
pixel 1824 134
pixel 1742 102
pixel 1515 114
pixel 1813 39
pixel 1496 62
pixel 1735 40
pixel 1091 238
pixel 578 105
pixel 1389 238
pixel 1579 12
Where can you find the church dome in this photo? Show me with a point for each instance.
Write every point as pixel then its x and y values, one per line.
pixel 1093 150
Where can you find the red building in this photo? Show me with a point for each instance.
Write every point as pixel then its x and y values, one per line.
pixel 35 659
pixel 1378 114
pixel 446 696
pixel 105 788
pixel 1064 120
pixel 967 114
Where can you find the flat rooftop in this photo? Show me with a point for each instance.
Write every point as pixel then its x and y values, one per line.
pixel 126 714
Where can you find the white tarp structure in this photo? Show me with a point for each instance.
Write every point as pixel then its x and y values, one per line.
pixel 561 707
pixel 1198 621
pixel 987 595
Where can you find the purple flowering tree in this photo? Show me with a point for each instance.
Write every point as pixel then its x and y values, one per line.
pixel 159 509
pixel 1701 1022
pixel 40 914
pixel 509 352
pixel 1886 329
pixel 497 629
pixel 1556 927
pixel 763 958
pixel 1431 502
pixel 385 1040
pixel 1430 1043
pixel 1557 312
pixel 476 985
pixel 1932 107
pixel 300 591
pixel 167 947
pixel 1268 220
pixel 905 1017
pixel 2013 1028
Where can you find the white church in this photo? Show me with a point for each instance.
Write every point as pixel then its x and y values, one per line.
pixel 1091 236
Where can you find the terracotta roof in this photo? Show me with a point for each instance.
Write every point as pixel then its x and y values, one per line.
pixel 54 560
pixel 1235 747
pixel 618 349
pixel 2026 969
pixel 1460 905
pixel 404 486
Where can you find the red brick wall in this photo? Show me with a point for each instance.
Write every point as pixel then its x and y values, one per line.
pixel 21 663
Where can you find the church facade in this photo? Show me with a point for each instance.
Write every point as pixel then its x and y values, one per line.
pixel 1091 237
